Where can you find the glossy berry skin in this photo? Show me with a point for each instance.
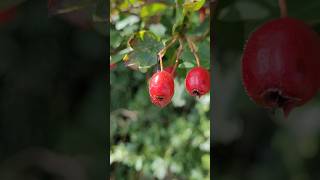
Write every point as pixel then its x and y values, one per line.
pixel 161 88
pixel 169 69
pixel 197 81
pixel 281 64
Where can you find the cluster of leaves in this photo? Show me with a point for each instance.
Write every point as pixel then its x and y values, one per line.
pixel 148 142
pixel 262 145
pixel 139 30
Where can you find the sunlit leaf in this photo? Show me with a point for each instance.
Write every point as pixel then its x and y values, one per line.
pixel 180 16
pixel 205 159
pixel 193 5
pixel 152 9
pixel 158 29
pixel 145 47
pixel 128 21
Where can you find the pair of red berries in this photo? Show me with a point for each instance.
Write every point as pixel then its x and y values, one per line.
pixel 161 85
pixel 280 64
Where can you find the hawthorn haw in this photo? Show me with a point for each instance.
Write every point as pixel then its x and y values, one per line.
pixel 161 88
pixel 169 69
pixel 280 64
pixel 197 81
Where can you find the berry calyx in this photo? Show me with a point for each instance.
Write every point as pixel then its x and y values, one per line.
pixel 197 81
pixel 280 64
pixel 161 88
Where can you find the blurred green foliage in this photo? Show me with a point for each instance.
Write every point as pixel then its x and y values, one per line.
pixel 146 141
pixel 251 143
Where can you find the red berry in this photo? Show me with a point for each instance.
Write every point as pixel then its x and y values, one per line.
pixel 112 66
pixel 161 88
pixel 169 69
pixel 280 64
pixel 202 14
pixel 198 81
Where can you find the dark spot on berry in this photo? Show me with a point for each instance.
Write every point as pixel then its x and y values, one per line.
pixel 275 98
pixel 196 93
pixel 160 98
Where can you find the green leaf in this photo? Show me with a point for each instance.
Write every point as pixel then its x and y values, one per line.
pixel 115 38
pixel 180 16
pixel 132 1
pixel 128 21
pixel 146 46
pixel 5 4
pixel 193 5
pixel 152 9
pixel 119 56
pixel 205 159
pixel 158 29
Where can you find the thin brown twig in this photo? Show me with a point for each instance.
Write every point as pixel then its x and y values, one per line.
pixel 192 47
pixel 283 8
pixel 179 52
pixel 163 51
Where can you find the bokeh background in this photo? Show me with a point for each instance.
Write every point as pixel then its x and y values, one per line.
pixel 52 95
pixel 249 142
pixel 148 142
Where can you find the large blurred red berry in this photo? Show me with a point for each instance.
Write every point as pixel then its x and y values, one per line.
pixel 197 81
pixel 281 64
pixel 161 88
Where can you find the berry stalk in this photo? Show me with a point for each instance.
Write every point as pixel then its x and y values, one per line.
pixel 179 52
pixel 192 47
pixel 283 8
pixel 164 50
